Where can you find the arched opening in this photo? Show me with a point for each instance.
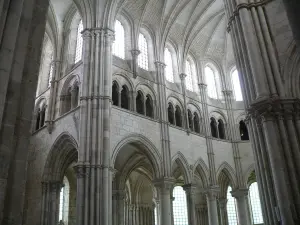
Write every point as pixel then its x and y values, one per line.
pixel 178 116
pixel 138 170
pixel 75 96
pixel 169 65
pixel 60 183
pixel 255 204
pixel 115 94
pixel 171 114
pixel 190 119
pixel 221 129
pixel 149 107
pixel 180 214
pixel 213 127
pixel 196 123
pixel 211 82
pixel 243 131
pixel 143 60
pixel 119 43
pixel 231 208
pixel 125 97
pixel 140 103
pixel 79 43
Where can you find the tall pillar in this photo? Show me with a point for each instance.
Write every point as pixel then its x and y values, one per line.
pixel 223 211
pixel 22 27
pixel 164 188
pixel 183 87
pixel 190 192
pixel 118 198
pixel 95 190
pixel 211 197
pixel 242 202
pixel 135 53
pixel 272 117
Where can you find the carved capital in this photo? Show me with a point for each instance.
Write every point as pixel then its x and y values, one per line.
pixel 82 170
pixel 228 93
pixel 240 193
pixel 189 188
pixel 135 53
pixel 202 86
pixel 212 193
pixel 50 125
pixel 160 64
pixel 119 194
pixel 182 76
pixel 165 183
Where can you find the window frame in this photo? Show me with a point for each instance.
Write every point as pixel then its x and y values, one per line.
pixel 217 81
pixel 118 43
pixel 234 87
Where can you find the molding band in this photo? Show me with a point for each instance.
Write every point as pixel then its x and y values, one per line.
pixel 244 6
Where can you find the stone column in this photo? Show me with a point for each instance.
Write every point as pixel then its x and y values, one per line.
pixel 242 202
pixel 211 197
pixel 190 192
pixel 184 113
pixel 118 211
pixel 22 29
pixel 272 117
pixel 164 188
pixel 163 119
pixel 135 53
pixel 223 211
pixel 202 214
pixel 50 202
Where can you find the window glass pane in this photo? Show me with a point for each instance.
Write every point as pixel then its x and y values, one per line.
pixel 143 56
pixel 188 79
pixel 169 66
pixel 155 216
pixel 61 204
pixel 211 83
pixel 255 204
pixel 180 207
pixel 237 86
pixel 119 44
pixel 50 72
pixel 231 208
pixel 79 43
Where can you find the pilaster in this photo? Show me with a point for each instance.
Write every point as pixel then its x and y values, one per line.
pixel 183 87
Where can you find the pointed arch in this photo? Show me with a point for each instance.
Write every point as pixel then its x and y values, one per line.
pixel 226 176
pixel 150 150
pixel 180 161
pixel 201 168
pixel 62 153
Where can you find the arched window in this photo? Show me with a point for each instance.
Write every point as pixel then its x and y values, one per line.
pixel 221 129
pixel 255 204
pixel 237 86
pixel 180 206
pixel 189 78
pixel 40 117
pixel 143 56
pixel 231 208
pixel 149 106
pixel 115 94
pixel 79 43
pixel 50 72
pixel 178 117
pixel 190 119
pixel 213 83
pixel 75 96
pixel 169 65
pixel 213 127
pixel 171 114
pixel 124 97
pixel 119 44
pixel 196 123
pixel 243 131
pixel 140 103
pixel 64 202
